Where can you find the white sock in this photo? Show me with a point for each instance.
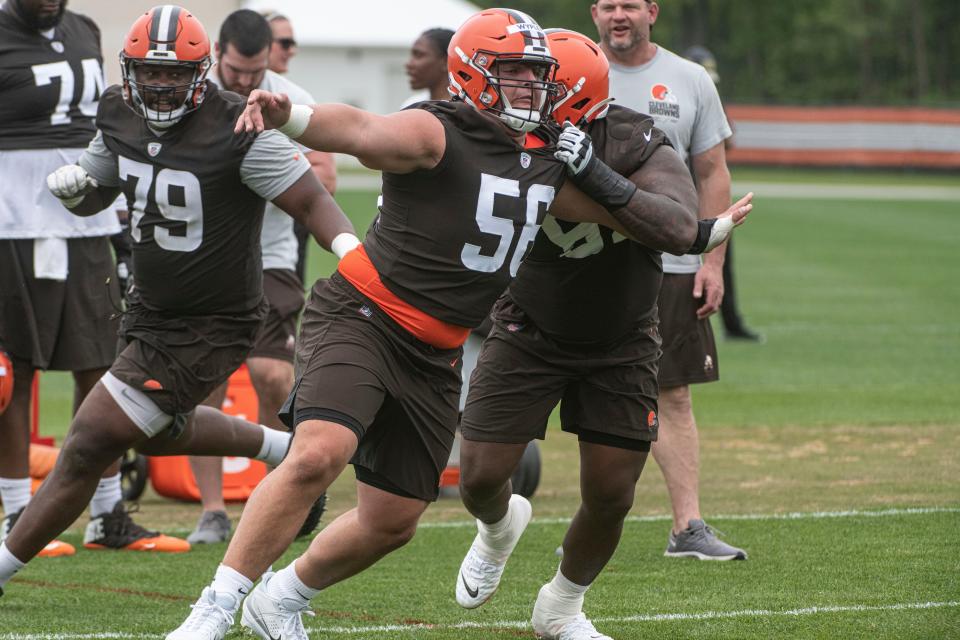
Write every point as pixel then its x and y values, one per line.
pixel 497 539
pixel 274 447
pixel 287 584
pixel 106 497
pixel 561 600
pixel 229 587
pixel 9 565
pixel 15 494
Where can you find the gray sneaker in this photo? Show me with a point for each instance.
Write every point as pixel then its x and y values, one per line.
pixel 699 541
pixel 213 527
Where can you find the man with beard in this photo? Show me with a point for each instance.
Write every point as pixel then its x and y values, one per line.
pixel 196 193
pixel 683 101
pixel 56 308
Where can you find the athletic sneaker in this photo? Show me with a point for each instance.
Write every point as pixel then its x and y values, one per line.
pixel 577 629
pixel 213 527
pixel 699 541
pixel 272 618
pixel 116 530
pixel 479 572
pixel 54 549
pixel 209 619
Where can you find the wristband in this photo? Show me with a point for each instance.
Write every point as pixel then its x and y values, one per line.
pixel 343 244
pixel 604 185
pixel 298 122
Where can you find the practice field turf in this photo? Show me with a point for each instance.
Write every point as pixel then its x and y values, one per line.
pixel 830 453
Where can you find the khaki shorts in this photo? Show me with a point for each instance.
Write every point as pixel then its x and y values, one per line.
pixel 689 350
pixel 60 325
pixel 356 367
pixel 180 360
pixel 283 291
pixel 606 395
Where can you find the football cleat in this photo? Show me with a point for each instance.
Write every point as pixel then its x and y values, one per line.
pixel 54 549
pixel 210 618
pixel 116 530
pixel 272 618
pixel 482 568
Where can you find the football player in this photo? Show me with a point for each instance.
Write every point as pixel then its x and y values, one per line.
pixel 599 364
pixel 56 312
pixel 196 194
pixel 465 188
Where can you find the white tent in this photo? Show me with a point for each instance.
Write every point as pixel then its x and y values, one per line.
pixel 356 53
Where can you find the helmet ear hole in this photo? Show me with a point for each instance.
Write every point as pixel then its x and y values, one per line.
pixel 466 77
pixel 580 104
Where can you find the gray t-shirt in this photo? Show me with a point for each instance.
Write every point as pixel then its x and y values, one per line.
pixel 277 240
pixel 684 103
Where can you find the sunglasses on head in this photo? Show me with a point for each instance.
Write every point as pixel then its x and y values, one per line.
pixel 286 43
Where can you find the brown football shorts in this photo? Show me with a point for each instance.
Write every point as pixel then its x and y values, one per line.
pixel 356 367
pixel 180 360
pixel 283 291
pixel 689 350
pixel 66 325
pixel 607 395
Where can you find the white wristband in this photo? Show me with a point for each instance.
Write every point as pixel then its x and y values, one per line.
pixel 343 244
pixel 298 122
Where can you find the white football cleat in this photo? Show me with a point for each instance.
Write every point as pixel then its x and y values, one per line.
pixel 577 629
pixel 208 620
pixel 480 570
pixel 273 619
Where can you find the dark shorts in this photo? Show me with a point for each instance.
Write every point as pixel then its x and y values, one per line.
pixel 60 325
pixel 607 396
pixel 179 360
pixel 283 291
pixel 689 350
pixel 356 367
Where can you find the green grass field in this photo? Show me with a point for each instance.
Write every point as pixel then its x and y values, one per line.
pixel 830 453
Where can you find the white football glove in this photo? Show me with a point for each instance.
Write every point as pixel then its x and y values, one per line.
pixel 575 148
pixel 70 183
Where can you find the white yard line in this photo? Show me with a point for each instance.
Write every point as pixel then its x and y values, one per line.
pixel 523 624
pixel 802 515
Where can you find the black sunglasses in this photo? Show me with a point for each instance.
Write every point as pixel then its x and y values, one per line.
pixel 286 43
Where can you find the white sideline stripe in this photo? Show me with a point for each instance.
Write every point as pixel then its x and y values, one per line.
pixel 523 624
pixel 800 515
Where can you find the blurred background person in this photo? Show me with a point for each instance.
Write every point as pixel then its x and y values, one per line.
pixel 685 105
pixel 427 66
pixel 243 50
pixel 734 327
pixel 282 50
pixel 284 44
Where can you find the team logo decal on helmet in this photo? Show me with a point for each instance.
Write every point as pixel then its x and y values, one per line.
pixel 165 38
pixel 583 77
pixel 497 36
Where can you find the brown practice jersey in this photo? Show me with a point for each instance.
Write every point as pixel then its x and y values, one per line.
pixel 448 240
pixel 49 87
pixel 195 224
pixel 584 283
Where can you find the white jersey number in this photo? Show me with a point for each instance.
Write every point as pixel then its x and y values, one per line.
pixel 43 74
pixel 581 241
pixel 490 188
pixel 190 212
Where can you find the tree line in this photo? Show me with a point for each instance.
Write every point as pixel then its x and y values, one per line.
pixel 801 52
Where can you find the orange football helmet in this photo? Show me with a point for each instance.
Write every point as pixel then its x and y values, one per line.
pixel 491 37
pixel 583 77
pixel 170 37
pixel 6 381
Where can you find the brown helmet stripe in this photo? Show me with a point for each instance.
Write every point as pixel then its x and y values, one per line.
pixel 163 27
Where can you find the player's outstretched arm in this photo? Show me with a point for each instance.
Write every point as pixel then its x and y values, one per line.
pixel 310 204
pixel 79 191
pixel 399 143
